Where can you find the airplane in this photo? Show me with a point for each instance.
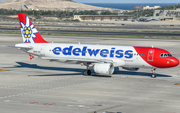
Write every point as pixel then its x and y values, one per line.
pixel 157 19
pixel 150 19
pixel 102 59
pixel 143 20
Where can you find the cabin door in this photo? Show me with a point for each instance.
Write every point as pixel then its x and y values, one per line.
pixel 151 55
pixel 42 50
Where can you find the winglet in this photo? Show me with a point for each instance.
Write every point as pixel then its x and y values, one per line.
pixel 29 33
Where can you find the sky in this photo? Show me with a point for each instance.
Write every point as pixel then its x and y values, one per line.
pixel 127 1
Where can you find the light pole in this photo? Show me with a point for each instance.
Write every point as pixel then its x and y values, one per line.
pixel 160 3
pixel 177 2
pixel 137 14
pixel 22 5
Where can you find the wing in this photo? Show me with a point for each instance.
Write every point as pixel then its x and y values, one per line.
pixel 77 60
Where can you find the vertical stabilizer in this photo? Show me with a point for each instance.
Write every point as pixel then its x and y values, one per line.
pixel 154 16
pixel 28 30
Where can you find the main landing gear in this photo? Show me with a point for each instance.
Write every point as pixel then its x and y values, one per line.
pixel 87 72
pixel 153 73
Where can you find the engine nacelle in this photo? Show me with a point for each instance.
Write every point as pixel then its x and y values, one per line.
pixel 131 68
pixel 104 68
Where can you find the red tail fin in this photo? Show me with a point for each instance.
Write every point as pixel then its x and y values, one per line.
pixel 28 30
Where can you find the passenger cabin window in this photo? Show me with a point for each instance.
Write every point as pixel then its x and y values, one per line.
pixel 165 55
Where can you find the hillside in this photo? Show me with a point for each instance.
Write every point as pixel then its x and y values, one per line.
pixel 46 5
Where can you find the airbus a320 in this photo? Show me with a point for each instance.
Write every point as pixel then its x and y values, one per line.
pixel 101 59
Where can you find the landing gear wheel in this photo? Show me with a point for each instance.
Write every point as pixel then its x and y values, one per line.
pixel 87 72
pixel 153 76
pixel 153 73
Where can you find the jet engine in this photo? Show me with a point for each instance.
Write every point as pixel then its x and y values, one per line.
pixel 131 68
pixel 104 68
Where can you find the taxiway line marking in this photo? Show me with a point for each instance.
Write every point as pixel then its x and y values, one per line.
pixel 45 90
pixel 106 108
pixel 39 82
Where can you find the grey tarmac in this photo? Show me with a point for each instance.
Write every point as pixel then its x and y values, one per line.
pixel 40 86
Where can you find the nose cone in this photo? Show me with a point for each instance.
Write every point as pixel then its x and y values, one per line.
pixel 174 62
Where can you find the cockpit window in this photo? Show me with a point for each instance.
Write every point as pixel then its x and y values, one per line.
pixel 165 55
pixel 162 55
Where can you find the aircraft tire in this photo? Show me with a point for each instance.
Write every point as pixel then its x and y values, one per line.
pixel 153 76
pixel 87 72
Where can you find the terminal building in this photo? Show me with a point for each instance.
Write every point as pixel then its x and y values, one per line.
pixel 147 7
pixel 102 17
pixel 169 14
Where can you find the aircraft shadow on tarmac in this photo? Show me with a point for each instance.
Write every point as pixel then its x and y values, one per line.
pixel 35 66
pixel 139 73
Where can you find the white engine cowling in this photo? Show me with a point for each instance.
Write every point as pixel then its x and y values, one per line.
pixel 104 68
pixel 131 68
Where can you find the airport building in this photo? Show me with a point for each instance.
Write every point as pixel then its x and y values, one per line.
pixel 169 14
pixel 102 17
pixel 147 7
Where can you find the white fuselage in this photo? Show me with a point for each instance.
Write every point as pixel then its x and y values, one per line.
pixel 119 55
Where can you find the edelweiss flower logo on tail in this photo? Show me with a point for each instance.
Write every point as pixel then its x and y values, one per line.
pixel 28 31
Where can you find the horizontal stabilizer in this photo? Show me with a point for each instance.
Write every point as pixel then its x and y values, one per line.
pixel 24 46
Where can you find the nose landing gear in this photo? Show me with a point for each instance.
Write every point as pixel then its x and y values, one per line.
pixel 153 73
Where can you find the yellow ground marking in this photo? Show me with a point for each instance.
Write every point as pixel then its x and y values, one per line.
pixel 178 84
pixel 3 70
